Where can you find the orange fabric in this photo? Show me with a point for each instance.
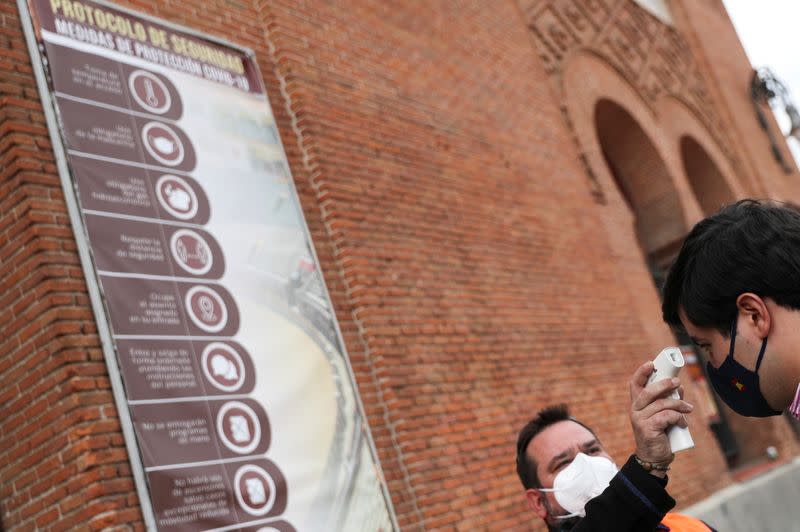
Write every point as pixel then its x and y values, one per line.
pixel 684 523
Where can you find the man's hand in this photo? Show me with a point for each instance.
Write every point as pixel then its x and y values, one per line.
pixel 653 411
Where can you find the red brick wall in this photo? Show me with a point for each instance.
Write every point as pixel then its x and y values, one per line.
pixel 62 459
pixel 471 269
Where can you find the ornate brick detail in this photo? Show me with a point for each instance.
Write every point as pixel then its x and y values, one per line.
pixel 652 56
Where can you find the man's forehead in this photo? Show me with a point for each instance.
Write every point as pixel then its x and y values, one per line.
pixel 697 334
pixel 558 438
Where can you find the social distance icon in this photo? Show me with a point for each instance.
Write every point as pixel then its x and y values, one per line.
pixel 238 427
pixel 206 309
pixel 223 367
pixel 254 489
pixel 149 92
pixel 191 251
pixel 163 143
pixel 176 196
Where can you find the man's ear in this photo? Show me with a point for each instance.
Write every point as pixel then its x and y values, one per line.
pixel 536 502
pixel 755 310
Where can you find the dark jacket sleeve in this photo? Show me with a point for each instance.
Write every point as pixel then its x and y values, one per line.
pixel 635 501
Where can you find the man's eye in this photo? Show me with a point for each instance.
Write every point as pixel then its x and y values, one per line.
pixel 594 450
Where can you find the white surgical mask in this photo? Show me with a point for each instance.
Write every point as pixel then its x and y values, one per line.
pixel 582 480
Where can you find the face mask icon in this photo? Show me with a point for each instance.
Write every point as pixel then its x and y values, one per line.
pixel 222 367
pixel 255 491
pixel 163 145
pixel 240 431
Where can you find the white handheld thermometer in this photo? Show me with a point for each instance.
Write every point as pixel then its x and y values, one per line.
pixel 667 365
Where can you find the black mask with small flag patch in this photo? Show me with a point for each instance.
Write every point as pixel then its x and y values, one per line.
pixel 739 386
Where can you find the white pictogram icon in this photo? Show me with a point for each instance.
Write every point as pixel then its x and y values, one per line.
pixel 238 427
pixel 255 490
pixel 176 196
pixel 223 367
pixel 149 92
pixel 191 251
pixel 206 309
pixel 162 143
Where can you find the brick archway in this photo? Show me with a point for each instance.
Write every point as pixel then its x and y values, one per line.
pixel 626 149
pixel 590 85
pixel 707 171
pixel 640 176
pixel 704 176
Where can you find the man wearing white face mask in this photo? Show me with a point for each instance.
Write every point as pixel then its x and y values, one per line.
pixel 572 483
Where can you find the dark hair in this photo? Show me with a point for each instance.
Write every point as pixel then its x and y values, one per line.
pixel 749 246
pixel 526 467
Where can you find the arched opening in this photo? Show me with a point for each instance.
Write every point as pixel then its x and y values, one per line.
pixel 643 180
pixel 705 178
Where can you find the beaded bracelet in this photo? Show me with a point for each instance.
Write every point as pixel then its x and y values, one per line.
pixel 651 466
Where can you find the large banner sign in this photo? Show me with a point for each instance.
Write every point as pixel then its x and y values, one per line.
pixel 236 383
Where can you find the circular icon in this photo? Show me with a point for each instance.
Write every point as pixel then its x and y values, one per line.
pixel 149 92
pixel 238 427
pixel 162 143
pixel 176 196
pixel 206 309
pixel 191 251
pixel 223 367
pixel 255 490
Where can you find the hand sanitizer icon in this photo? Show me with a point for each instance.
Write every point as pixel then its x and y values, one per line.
pixel 178 198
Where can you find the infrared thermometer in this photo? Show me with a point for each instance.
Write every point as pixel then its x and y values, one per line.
pixel 667 365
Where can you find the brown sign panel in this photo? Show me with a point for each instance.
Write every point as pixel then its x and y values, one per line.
pixel 167 369
pixel 118 135
pixel 215 496
pixel 122 245
pixel 99 79
pixel 149 307
pixel 198 431
pixel 135 191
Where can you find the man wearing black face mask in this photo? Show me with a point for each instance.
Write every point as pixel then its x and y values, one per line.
pixel 735 289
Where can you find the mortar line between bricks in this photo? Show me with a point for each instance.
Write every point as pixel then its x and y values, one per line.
pixel 313 171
